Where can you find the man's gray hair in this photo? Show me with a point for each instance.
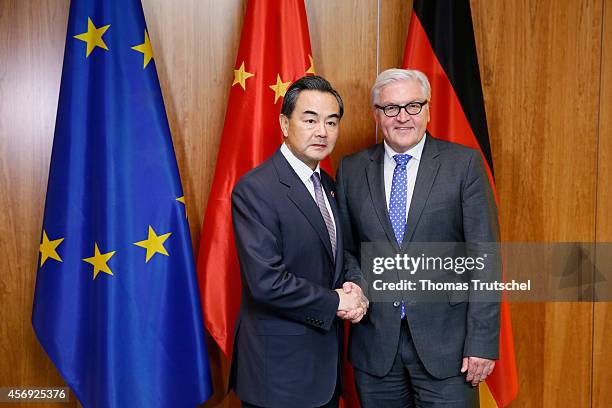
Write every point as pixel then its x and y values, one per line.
pixel 395 74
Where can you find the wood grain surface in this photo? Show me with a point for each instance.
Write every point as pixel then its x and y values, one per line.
pixel 540 64
pixel 602 330
pixel 546 69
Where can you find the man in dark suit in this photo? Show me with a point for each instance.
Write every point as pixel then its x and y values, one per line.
pixel 413 188
pixel 288 338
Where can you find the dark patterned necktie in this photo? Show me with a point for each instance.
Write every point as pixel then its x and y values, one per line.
pixel 329 223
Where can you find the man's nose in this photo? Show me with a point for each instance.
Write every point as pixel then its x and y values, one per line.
pixel 403 116
pixel 321 129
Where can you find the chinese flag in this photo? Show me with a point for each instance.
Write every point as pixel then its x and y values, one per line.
pixel 441 44
pixel 274 51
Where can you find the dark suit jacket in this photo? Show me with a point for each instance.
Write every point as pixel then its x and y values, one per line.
pixel 287 339
pixel 452 202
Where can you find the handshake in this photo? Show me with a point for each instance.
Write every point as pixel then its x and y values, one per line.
pixel 353 304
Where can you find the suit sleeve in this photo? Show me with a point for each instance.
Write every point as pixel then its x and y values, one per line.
pixel 267 278
pixel 481 233
pixel 352 264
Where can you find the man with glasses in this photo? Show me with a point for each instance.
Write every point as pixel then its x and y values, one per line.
pixel 413 188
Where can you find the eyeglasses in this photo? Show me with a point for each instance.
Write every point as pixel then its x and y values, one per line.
pixel 411 108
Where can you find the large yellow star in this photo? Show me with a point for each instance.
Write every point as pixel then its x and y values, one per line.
pixel 146 49
pixel 154 244
pixel 279 88
pixel 48 249
pixel 93 37
pixel 99 261
pixel 311 70
pixel 241 75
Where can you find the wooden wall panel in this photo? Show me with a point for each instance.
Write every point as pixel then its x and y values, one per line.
pixel 343 39
pixel 538 58
pixel 602 341
pixel 540 65
pixel 32 39
pixel 394 21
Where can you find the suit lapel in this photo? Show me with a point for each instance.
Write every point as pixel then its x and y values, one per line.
pixel 302 199
pixel 428 169
pixel 376 183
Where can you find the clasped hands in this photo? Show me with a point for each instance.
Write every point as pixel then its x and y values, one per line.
pixel 353 304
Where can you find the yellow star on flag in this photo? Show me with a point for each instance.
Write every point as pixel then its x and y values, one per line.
pixel 154 244
pixel 93 37
pixel 279 88
pixel 48 249
pixel 146 49
pixel 311 70
pixel 241 75
pixel 99 261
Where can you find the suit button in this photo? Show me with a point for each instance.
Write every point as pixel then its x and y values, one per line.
pixel 396 303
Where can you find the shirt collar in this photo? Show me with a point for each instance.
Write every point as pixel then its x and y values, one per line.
pixel 303 171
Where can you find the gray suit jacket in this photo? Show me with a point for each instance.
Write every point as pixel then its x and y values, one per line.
pixel 452 202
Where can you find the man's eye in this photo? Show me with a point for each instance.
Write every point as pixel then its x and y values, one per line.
pixel 391 108
pixel 311 121
pixel 331 123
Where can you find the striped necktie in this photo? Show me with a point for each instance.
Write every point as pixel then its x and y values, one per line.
pixel 329 223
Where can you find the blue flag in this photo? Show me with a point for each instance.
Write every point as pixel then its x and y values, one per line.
pixel 117 306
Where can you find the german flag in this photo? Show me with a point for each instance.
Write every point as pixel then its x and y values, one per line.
pixel 441 44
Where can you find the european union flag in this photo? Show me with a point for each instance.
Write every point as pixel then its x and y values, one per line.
pixel 116 306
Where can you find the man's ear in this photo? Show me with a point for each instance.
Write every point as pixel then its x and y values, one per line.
pixel 284 124
pixel 374 114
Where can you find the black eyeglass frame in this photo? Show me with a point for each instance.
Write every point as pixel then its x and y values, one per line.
pixel 400 107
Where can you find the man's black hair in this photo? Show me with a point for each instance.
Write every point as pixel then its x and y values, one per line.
pixel 311 83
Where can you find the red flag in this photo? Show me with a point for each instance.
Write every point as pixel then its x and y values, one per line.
pixel 274 51
pixel 441 44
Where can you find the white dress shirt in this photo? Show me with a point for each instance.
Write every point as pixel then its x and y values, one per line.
pixel 412 168
pixel 304 173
